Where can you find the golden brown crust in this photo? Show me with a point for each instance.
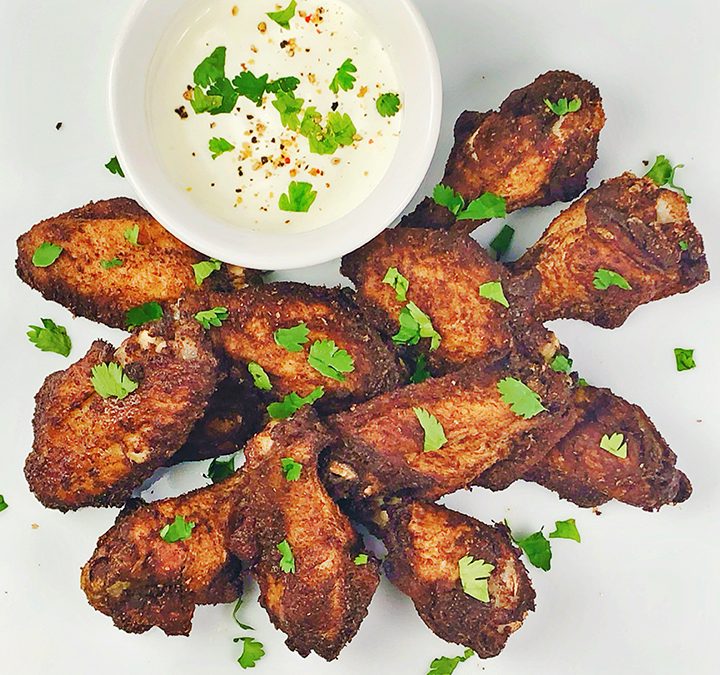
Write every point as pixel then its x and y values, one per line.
pixel 627 225
pixel 425 542
pixel 321 605
pixel 94 451
pixel 141 581
pixel 579 470
pixel 159 269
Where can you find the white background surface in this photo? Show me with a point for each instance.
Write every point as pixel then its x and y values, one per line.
pixel 640 595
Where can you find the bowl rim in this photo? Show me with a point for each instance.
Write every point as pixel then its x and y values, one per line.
pixel 257 249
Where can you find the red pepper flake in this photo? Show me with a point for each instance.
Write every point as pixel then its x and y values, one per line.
pixel 287 160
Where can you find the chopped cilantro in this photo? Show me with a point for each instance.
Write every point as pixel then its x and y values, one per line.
pixel 388 105
pixel 299 198
pixel 501 243
pixel 201 103
pixel 251 87
pixel 615 444
pixel 220 469
pixel 561 364
pixel 46 254
pixel 566 529
pixel 204 269
pixel 50 337
pixel 287 561
pixel 683 245
pixel 139 316
pixel 113 166
pixel 282 17
pixel 283 84
pixel 293 338
pixel 342 127
pixel 398 283
pixel 447 197
pixel 236 609
pixel 259 376
pixel 414 325
pixel 493 290
pixel 228 95
pixel 329 360
pixel 434 433
pixel 582 382
pixel 474 575
pixel 132 234
pixel 562 107
pixel 684 359
pixel 219 146
pixel 110 381
pixel 292 403
pixel 523 401
pixel 110 264
pixel 211 68
pixel 252 652
pixel 178 530
pixel 446 665
pixel 361 559
pixel 537 548
pixel 485 207
pixel 212 317
pixel 605 278
pixel 291 469
pixel 344 78
pixel 289 108
pixel 662 173
pixel 421 372
pixel 3 503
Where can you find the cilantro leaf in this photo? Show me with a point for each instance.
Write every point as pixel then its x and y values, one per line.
pixel 523 401
pixel 282 18
pixel 236 609
pixel 566 529
pixel 212 317
pixel 684 358
pixel 537 548
pixel 204 269
pixel 434 433
pixel 615 444
pixel 447 197
pixel 291 469
pixel 132 234
pixel 292 403
pixel 259 376
pixel 224 89
pixel 582 382
pixel 178 530
pixel 414 325
pixel 252 652
pixel 501 244
pixel 287 561
pixel 562 107
pixel 110 264
pixel 398 283
pixel 220 469
pixel 605 278
pixel 46 254
pixel 485 207
pixel 219 146
pixel 388 104
pixel 329 360
pixel 110 381
pixel 361 559
pixel 285 84
pixel 344 78
pixel 299 198
pixel 421 373
pixel 474 575
pixel 342 127
pixel 50 337
pixel 113 166
pixel 446 665
pixel 138 316
pixel 293 338
pixel 3 503
pixel 201 103
pixel 289 108
pixel 493 290
pixel 683 245
pixel 211 68
pixel 561 364
pixel 662 173
pixel 251 87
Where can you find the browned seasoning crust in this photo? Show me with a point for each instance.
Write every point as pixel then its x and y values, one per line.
pixel 158 269
pixel 579 470
pixel 627 225
pixel 94 451
pixel 255 313
pixel 524 152
pixel 425 542
pixel 321 605
pixel 140 580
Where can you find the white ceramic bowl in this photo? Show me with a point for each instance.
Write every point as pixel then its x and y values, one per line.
pixel 407 39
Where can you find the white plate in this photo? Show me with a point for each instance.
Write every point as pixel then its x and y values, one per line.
pixel 640 595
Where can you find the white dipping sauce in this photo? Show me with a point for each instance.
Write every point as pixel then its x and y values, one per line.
pixel 243 186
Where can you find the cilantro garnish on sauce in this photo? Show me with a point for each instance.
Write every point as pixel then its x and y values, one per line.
pixel 566 529
pixel 293 338
pixel 344 77
pixel 397 282
pixel 388 105
pixel 434 433
pixel 282 17
pixel 299 198
pixel 292 403
pixel 3 503
pixel 110 381
pixel 523 401
pixel 178 530
pixel 564 106
pixel 291 469
pixel 46 254
pixel 615 444
pixel 287 561
pixel 329 360
pixel 113 166
pixel 139 316
pixel 50 337
pixel 474 575
pixel 662 173
pixel 446 665
pixel 289 108
pixel 219 146
pixel 212 317
pixel 605 278
pixel 684 359
pixel 252 652
pixel 251 87
pixel 204 269
pixel 259 376
pixel 493 290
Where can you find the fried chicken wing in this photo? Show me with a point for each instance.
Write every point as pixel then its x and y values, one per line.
pixel 579 470
pixel 157 268
pixel 94 451
pixel 425 544
pixel 628 226
pixel 315 594
pixel 140 580
pixel 524 152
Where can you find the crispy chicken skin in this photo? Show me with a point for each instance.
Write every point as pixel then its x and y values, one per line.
pixel 321 604
pixel 579 470
pixel 158 269
pixel 425 542
pixel 94 451
pixel 140 580
pixel 524 152
pixel 255 313
pixel 627 225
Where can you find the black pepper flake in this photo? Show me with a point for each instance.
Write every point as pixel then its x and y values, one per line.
pixel 181 112
pixel 240 171
pixel 212 184
pixel 254 139
pixel 284 44
pixel 264 160
pixel 335 105
pixel 238 190
pixel 58 126
pixel 250 117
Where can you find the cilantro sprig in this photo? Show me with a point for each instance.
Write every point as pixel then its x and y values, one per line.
pixel 563 106
pixel 537 549
pixel 261 380
pixel 501 243
pixel 485 207
pixel 474 575
pixel 3 503
pixel 112 263
pixel 287 559
pixel 361 559
pixel 684 359
pixel 212 317
pixel 132 234
pixel 252 652
pixel 615 444
pixel 605 278
pixel 220 469
pixel 330 360
pixel 292 339
pixel 110 381
pixel 420 372
pixel 46 254
pixel 493 290
pixel 179 530
pixel 565 529
pixel 50 337
pixel 292 403
pixel 414 326
pixel 291 469
pixel 397 282
pixel 446 665
pixel 299 197
pixel 523 401
pixel 662 173
pixel 561 364
pixel 388 105
pixel 289 107
pixel 344 77
pixel 434 433
pixel 113 166
pixel 282 17
pixel 219 146
pixel 145 313
pixel 204 269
